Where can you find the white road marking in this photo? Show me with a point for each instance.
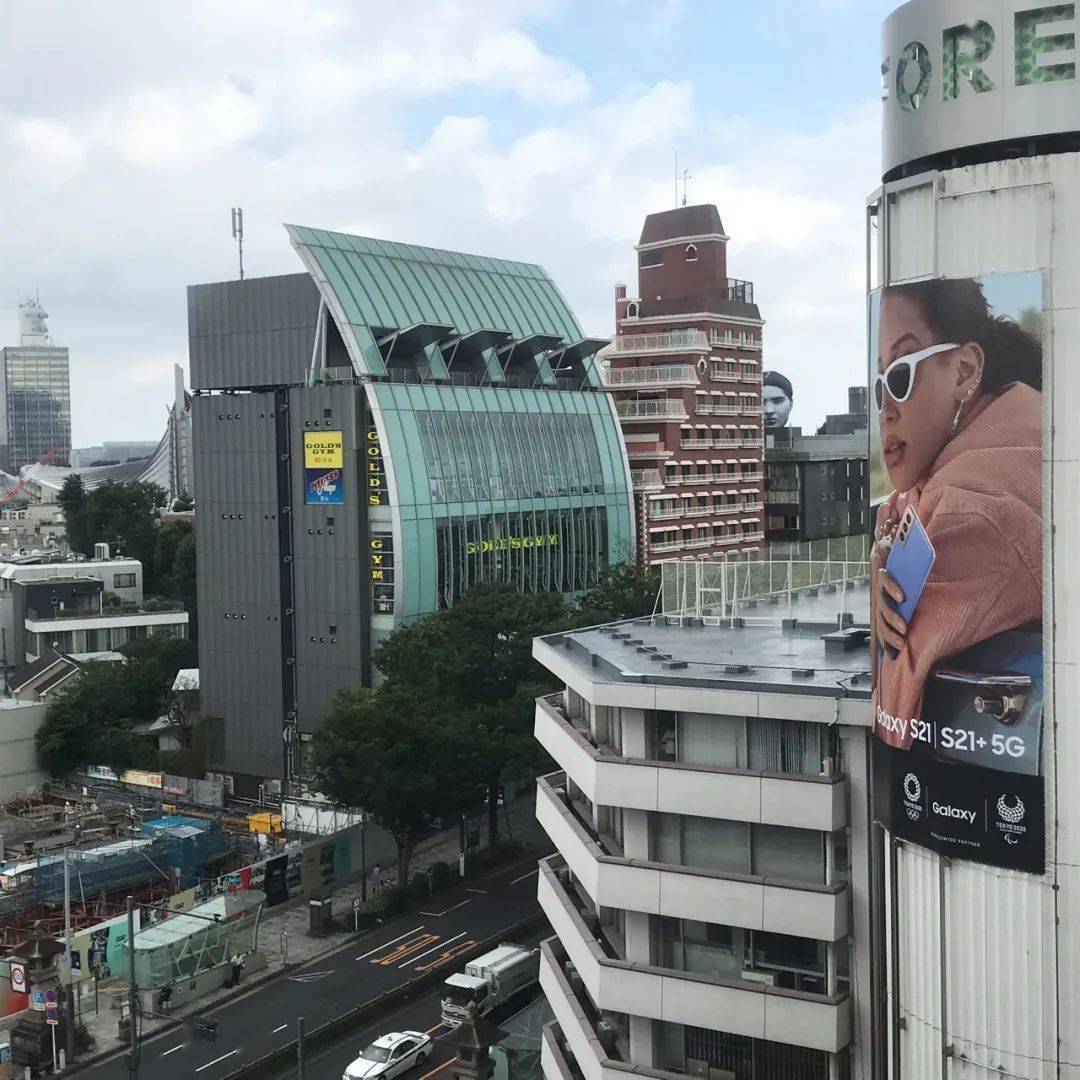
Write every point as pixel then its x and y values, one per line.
pixel 379 948
pixel 441 945
pixel 216 1060
pixel 277 1029
pixel 436 914
pixel 482 892
pixel 310 976
pixel 524 876
pixel 166 1053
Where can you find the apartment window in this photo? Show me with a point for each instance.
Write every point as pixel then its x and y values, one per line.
pixel 123 581
pixel 739 847
pixel 696 1050
pixel 650 259
pixel 632 310
pixel 663 736
pixel 691 252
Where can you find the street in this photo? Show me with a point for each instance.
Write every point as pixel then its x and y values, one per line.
pixel 332 984
pixel 329 1062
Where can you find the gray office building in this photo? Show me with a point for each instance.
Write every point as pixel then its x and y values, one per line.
pixel 36 398
pixel 372 437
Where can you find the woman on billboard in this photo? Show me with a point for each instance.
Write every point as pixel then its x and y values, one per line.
pixel 958 395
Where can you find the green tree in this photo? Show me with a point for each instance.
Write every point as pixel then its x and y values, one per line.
pixel 72 503
pixel 472 665
pixel 624 591
pixel 173 570
pixel 386 751
pixel 90 721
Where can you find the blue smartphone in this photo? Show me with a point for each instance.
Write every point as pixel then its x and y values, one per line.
pixel 910 561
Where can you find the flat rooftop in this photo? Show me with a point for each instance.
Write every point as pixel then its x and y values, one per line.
pixel 814 641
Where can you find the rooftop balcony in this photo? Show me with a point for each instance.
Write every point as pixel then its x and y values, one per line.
pixel 647 479
pixel 739 1006
pixel 804 909
pixel 654 375
pixel 674 341
pixel 654 409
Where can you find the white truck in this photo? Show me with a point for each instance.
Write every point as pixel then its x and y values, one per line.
pixel 489 981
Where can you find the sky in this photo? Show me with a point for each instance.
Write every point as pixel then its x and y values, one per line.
pixel 535 130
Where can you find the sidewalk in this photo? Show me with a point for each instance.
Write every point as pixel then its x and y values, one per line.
pixel 292 918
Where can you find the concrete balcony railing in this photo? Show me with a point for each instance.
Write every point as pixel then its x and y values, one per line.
pixel 647 479
pixel 656 409
pixel 804 909
pixel 709 409
pixel 741 1007
pixel 746 537
pixel 674 341
pixel 808 801
pixel 752 478
pixel 653 375
pixel 691 479
pixel 665 546
pixel 752 443
pixel 725 376
pixel 751 376
pixel 575 1027
pixel 696 444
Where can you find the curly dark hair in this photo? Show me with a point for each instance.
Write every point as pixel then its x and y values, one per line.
pixel 956 310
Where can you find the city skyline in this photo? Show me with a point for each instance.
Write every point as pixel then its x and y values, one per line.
pixel 139 165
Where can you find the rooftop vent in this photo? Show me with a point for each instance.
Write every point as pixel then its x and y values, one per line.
pixel 101 551
pixel 737 669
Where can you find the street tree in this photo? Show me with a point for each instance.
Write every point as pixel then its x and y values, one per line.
pixel 385 751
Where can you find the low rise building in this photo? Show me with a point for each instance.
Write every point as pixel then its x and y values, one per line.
pixel 712 778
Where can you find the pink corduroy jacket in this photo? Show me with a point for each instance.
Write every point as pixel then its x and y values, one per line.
pixel 981 506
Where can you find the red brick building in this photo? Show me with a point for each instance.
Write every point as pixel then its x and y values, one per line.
pixel 685 369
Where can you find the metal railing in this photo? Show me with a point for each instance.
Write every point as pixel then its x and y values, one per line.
pixel 672 341
pixel 723 587
pixel 669 408
pixel 647 479
pixel 655 375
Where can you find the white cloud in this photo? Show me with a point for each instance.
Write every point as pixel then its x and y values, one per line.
pixel 402 121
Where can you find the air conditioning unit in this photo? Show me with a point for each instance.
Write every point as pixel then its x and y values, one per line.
pixel 766 978
pixel 101 551
pixel 697 1067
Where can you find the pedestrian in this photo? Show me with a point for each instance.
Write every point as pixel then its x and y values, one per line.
pixel 240 964
pixel 376 878
pixel 234 964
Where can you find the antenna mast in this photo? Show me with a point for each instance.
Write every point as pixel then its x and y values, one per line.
pixel 238 235
pixel 685 177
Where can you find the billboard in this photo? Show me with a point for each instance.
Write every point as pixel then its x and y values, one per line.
pixel 956 480
pixel 324 468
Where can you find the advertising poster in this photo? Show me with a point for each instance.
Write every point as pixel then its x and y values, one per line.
pixel 956 479
pixel 324 463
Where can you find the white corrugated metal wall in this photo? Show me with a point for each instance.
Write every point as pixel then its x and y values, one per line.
pixel 989 960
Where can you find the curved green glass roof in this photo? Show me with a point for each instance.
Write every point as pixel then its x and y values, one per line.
pixel 377 285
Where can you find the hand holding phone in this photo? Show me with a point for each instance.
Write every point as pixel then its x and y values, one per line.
pixel 910 561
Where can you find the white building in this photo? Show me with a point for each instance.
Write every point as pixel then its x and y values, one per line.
pixel 712 782
pixel 85 608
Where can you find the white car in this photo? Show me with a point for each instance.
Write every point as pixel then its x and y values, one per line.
pixel 390 1055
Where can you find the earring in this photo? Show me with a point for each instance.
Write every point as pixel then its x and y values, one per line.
pixel 959 408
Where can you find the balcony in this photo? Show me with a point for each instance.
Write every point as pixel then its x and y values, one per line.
pixel 748 537
pixel 804 800
pixel 657 375
pixel 753 506
pixel 647 479
pixel 666 546
pixel 751 376
pixel 725 376
pixel 675 341
pixel 655 409
pixel 805 909
pixel 739 1006
pixel 576 1025
pixel 751 478
pixel 690 479
pixel 646 455
pixel 709 409
pixel 750 444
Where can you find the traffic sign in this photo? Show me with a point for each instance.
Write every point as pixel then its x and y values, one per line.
pixel 50 997
pixel 37 1000
pixel 356 903
pixel 52 1015
pixel 18 977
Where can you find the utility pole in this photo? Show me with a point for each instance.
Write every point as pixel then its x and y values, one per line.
pixel 299 1048
pixel 69 992
pixel 133 1052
